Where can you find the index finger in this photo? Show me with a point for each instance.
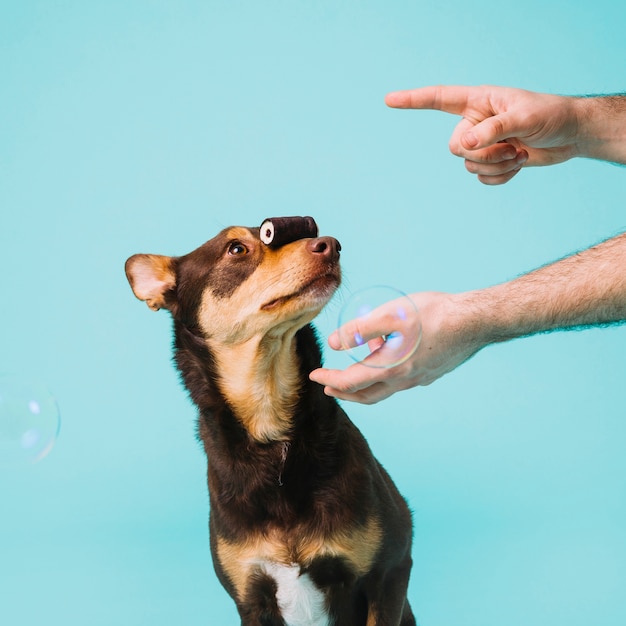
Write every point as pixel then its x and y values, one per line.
pixel 448 98
pixel 395 317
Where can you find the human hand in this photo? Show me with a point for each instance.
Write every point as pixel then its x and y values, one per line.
pixel 503 129
pixel 445 343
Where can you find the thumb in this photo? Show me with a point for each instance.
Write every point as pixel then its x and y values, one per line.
pixel 334 341
pixel 491 130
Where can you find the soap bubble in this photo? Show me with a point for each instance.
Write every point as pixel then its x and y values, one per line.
pixel 29 421
pixel 379 327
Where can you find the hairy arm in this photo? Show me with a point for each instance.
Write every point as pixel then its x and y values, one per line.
pixel 583 290
pixel 602 128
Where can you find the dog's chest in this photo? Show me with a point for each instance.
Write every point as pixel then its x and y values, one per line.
pixel 301 603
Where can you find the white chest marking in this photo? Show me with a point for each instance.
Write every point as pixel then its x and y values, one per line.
pixel 301 603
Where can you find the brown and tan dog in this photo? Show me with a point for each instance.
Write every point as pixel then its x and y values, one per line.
pixel 307 528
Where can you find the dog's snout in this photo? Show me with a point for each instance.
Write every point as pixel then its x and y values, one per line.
pixel 326 246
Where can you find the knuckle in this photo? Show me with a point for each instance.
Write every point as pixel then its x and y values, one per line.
pixel 497 126
pixel 471 167
pixel 349 387
pixel 497 179
pixel 455 147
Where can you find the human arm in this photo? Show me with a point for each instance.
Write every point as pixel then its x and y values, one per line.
pixel 583 290
pixel 504 129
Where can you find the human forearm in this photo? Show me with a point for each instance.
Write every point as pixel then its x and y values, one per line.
pixel 602 128
pixel 585 289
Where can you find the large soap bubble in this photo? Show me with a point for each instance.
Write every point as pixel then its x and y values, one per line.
pixel 379 327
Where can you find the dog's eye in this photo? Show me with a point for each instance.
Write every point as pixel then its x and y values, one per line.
pixel 237 249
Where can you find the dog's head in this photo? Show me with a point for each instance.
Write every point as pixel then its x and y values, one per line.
pixel 235 287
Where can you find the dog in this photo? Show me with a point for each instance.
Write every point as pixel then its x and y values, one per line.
pixel 306 527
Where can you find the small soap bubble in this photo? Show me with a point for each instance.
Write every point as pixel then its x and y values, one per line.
pixel 29 421
pixel 379 327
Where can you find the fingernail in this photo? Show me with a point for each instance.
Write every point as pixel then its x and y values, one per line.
pixel 509 155
pixel 521 158
pixel 470 139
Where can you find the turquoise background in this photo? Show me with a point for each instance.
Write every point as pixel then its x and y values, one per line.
pixel 148 126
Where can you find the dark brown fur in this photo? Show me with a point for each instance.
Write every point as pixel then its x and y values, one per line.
pixel 291 479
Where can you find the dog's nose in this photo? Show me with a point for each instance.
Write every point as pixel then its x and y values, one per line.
pixel 326 246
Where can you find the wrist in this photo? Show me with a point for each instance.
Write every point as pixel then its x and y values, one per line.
pixel 490 315
pixel 472 320
pixel 601 127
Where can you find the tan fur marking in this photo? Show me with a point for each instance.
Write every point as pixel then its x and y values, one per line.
pixel 357 545
pixel 261 385
pixel 238 232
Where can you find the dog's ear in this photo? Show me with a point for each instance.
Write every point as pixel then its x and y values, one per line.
pixel 151 277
